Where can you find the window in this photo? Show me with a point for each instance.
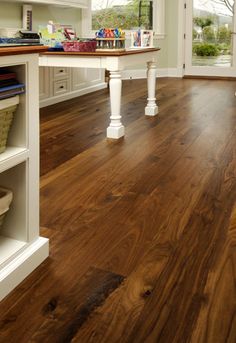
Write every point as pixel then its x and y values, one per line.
pixel 126 14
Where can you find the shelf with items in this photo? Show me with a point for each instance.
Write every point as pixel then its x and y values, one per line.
pixel 17 139
pixel 21 247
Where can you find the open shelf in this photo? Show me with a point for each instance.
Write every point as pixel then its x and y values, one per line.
pixel 15 224
pixel 12 156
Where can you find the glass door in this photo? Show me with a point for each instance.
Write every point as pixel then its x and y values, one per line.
pixel 210 48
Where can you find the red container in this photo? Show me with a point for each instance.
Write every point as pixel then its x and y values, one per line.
pixel 81 46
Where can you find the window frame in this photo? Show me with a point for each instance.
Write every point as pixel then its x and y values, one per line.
pixel 158 20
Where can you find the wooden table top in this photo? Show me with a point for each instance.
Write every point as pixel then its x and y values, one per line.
pixel 20 50
pixel 100 53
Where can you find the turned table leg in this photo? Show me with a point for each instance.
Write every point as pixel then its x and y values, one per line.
pixel 151 109
pixel 115 129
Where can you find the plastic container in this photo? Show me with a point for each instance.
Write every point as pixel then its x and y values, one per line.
pixel 7 110
pixel 110 44
pixel 6 197
pixel 80 46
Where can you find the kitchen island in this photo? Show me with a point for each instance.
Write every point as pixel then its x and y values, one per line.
pixel 114 62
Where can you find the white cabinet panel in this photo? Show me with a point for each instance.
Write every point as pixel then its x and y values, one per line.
pixel 94 75
pixel 78 78
pixel 44 83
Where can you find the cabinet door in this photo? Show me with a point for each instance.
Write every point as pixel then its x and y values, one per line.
pixel 79 78
pixel 85 77
pixel 95 76
pixel 44 83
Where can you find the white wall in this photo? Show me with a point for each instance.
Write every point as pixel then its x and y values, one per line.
pixel 10 15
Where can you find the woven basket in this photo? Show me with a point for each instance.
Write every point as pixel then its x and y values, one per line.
pixel 6 197
pixel 7 109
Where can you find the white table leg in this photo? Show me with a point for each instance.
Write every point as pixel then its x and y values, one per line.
pixel 115 129
pixel 151 109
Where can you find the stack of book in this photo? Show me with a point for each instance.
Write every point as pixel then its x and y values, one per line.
pixel 22 37
pixel 9 86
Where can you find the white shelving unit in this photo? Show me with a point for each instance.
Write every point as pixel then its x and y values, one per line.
pixel 21 247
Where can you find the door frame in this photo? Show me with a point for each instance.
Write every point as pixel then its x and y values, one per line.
pixel 187 49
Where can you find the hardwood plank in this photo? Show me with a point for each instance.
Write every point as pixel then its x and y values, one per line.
pixel 173 319
pixel 220 295
pixel 66 314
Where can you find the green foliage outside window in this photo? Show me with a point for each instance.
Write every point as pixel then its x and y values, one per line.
pixel 209 34
pixel 206 49
pixel 224 35
pixel 133 14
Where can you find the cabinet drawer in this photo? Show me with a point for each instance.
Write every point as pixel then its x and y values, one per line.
pixel 60 87
pixel 60 72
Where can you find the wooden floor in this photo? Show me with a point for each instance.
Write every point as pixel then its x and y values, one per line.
pixel 143 230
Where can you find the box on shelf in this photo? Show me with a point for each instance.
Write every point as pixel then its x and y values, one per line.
pixel 6 197
pixel 7 110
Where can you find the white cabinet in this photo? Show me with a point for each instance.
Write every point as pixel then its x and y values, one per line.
pixel 21 248
pixel 60 83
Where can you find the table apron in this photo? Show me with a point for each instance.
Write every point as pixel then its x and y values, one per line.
pixel 112 63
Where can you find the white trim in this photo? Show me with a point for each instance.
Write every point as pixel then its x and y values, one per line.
pixel 22 265
pixel 181 31
pixel 73 94
pixel 142 73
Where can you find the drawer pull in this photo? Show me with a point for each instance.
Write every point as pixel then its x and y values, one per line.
pixel 61 71
pixel 61 87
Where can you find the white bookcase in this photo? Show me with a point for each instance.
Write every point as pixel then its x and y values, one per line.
pixel 21 247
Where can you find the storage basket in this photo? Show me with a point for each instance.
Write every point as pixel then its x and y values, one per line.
pixel 6 197
pixel 80 46
pixel 7 109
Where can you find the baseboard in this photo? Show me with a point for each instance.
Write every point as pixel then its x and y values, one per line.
pixel 22 265
pixel 142 73
pixel 71 95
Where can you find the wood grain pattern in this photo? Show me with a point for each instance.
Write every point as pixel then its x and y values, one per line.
pixel 142 230
pixel 103 53
pixel 20 50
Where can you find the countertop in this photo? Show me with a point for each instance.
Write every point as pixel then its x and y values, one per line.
pixel 105 53
pixel 19 50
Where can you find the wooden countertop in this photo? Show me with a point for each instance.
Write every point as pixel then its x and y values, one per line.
pixel 19 50
pixel 100 53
